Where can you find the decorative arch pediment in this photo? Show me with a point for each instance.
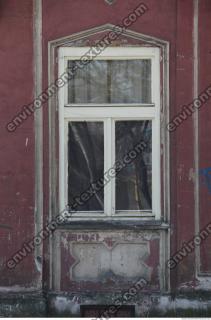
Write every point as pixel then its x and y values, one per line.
pixel 91 36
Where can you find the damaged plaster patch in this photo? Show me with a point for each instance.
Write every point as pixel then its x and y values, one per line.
pixel 180 172
pixel 201 283
pixel 204 284
pixel 65 304
pixel 95 261
pixel 17 289
pixel 166 304
pixel 191 176
pixel 38 263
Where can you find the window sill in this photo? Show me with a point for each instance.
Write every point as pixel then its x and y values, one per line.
pixel 135 224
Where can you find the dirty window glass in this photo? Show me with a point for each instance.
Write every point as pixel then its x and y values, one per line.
pixel 111 81
pixel 85 163
pixel 134 182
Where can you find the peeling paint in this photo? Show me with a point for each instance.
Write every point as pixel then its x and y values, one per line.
pixel 63 304
pixel 191 176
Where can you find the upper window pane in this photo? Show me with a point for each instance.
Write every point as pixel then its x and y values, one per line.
pixel 111 81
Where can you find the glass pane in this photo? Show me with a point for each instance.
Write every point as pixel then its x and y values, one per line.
pixel 111 81
pixel 85 164
pixel 88 84
pixel 134 181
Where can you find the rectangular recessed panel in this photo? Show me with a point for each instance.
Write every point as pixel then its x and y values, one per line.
pixel 85 164
pixel 107 311
pixel 111 81
pixel 134 182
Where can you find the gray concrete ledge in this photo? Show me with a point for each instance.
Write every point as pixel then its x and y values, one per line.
pixel 61 305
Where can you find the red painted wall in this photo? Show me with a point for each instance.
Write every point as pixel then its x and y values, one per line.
pixel 168 20
pixel 64 18
pixel 204 129
pixel 17 148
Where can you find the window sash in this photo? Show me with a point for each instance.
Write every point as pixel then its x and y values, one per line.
pixel 109 160
pixel 123 53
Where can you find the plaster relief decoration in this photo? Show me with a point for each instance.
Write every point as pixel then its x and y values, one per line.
pixel 95 261
pixel 110 1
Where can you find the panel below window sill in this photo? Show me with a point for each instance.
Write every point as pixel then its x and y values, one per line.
pixel 132 224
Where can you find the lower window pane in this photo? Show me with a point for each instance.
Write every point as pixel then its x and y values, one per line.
pixel 134 181
pixel 85 164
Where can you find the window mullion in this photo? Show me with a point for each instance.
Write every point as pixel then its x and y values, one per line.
pixel 156 167
pixel 113 158
pixel 107 166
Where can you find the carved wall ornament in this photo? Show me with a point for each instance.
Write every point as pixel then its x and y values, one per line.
pixel 110 2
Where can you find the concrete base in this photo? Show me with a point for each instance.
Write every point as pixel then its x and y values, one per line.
pixel 22 305
pixel 38 305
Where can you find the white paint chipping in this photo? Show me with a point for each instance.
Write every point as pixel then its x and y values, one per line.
pixel 63 304
pixel 17 288
pixel 166 304
pixel 38 263
pixel 204 283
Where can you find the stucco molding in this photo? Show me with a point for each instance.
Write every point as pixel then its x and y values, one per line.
pixel 110 2
pixel 105 28
pixel 38 125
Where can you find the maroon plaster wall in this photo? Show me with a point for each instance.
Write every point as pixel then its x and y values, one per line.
pixel 171 21
pixel 17 148
pixel 204 128
pixel 168 20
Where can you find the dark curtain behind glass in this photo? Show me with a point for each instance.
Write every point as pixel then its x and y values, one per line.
pixel 134 182
pixel 85 162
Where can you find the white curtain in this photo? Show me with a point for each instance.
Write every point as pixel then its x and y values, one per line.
pixel 111 81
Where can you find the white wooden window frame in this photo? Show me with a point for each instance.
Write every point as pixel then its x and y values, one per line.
pixel 109 113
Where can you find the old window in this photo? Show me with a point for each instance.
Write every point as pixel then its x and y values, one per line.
pixel 109 122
